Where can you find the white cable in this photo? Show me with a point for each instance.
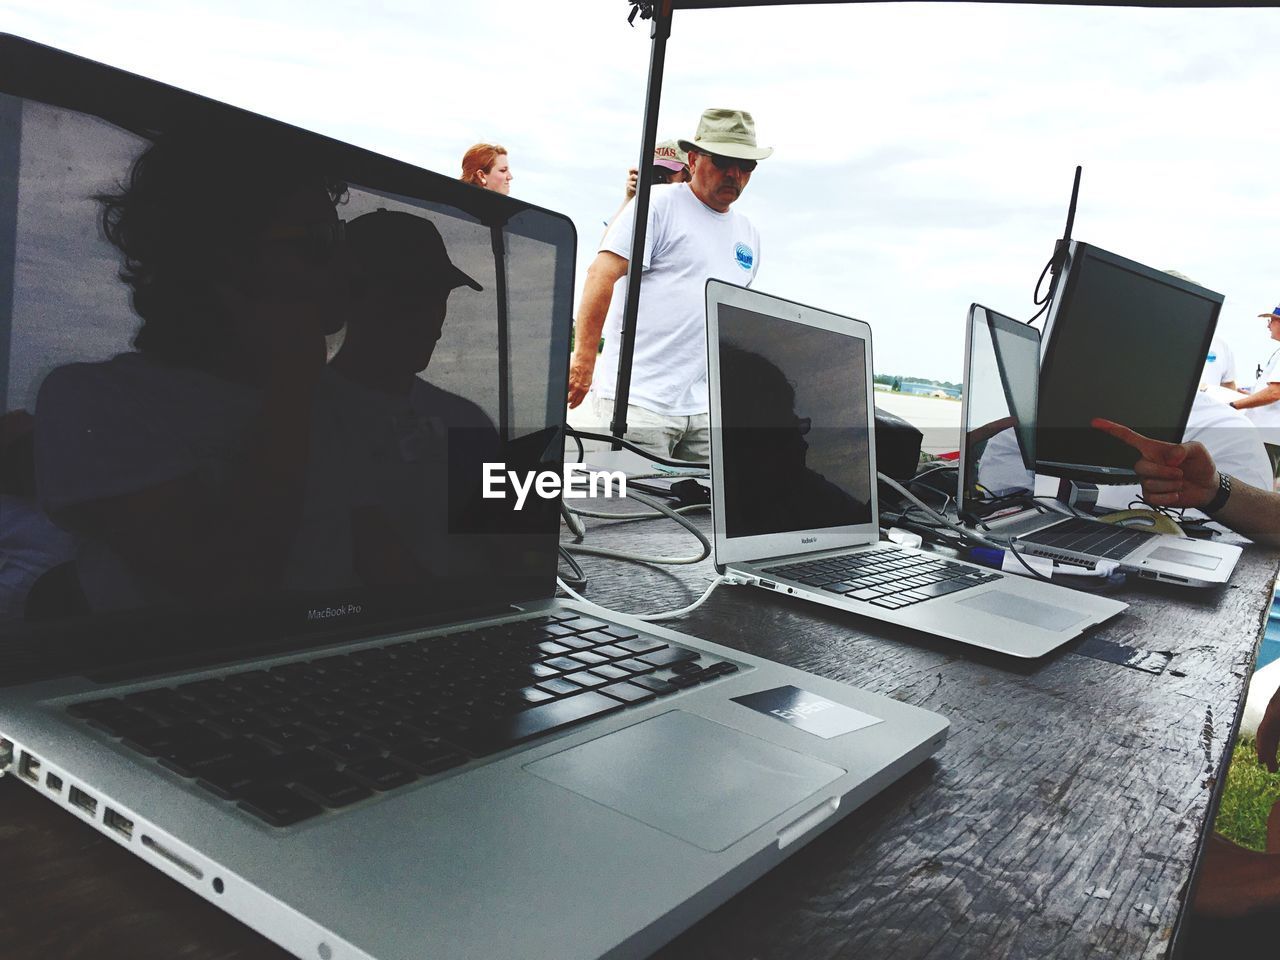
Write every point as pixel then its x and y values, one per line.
pixel 623 517
pixel 666 511
pixel 634 557
pixel 647 617
pixel 971 534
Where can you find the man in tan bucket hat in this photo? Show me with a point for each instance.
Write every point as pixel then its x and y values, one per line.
pixel 693 234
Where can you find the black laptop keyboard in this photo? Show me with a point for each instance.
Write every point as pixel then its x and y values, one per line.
pixel 289 742
pixel 886 576
pixel 1105 540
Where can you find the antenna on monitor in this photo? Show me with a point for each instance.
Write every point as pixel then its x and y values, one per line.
pixel 1059 258
pixel 1060 249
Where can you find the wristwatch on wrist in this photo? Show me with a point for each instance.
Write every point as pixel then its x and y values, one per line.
pixel 1219 499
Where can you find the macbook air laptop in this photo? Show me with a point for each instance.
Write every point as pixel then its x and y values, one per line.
pixel 997 471
pixel 794 497
pixel 266 634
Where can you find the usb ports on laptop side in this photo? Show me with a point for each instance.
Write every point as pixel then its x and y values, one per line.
pixel 119 823
pixel 78 798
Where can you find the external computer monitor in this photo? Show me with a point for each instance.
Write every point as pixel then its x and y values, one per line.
pixel 1123 341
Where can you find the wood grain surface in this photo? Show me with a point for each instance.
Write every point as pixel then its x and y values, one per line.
pixel 1063 818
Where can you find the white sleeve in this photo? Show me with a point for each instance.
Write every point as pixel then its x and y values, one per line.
pixel 617 238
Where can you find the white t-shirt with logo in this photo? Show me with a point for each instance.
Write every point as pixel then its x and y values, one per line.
pixel 686 243
pixel 1219 364
pixel 1267 418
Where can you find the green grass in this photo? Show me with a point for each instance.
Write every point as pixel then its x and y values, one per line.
pixel 1247 799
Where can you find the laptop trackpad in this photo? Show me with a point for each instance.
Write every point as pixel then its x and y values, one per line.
pixel 1186 557
pixel 1036 613
pixel 689 777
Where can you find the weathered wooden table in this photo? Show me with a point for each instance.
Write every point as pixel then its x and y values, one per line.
pixel 1063 818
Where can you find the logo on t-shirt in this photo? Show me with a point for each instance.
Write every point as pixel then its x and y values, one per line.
pixel 744 256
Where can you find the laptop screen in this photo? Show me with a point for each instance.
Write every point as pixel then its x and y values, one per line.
pixel 1000 386
pixel 793 421
pixel 251 375
pixel 1126 342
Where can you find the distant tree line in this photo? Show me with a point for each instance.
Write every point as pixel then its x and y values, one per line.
pixel 895 382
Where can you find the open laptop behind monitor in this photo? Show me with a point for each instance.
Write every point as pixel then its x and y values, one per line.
pixel 363 726
pixel 794 487
pixel 998 468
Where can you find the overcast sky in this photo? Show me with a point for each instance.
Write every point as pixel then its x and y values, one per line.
pixel 924 152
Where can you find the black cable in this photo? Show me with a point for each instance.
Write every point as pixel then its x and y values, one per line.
pixel 571 520
pixel 579 579
pixel 916 481
pixel 933 468
pixel 1017 554
pixel 1035 294
pixel 604 438
pixel 1173 513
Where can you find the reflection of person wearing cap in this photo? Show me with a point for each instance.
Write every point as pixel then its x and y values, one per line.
pixel 1263 404
pixel 693 234
pixel 403 280
pixel 769 485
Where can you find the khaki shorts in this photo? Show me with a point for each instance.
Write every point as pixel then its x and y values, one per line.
pixel 679 438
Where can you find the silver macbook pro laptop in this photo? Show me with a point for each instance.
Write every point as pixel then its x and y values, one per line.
pixel 265 632
pixel 793 475
pixel 997 470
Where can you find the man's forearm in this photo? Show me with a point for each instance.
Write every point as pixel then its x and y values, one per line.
pixel 1252 512
pixel 1259 398
pixel 597 292
pixel 587 330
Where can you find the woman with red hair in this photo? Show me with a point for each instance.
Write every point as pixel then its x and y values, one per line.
pixel 485 165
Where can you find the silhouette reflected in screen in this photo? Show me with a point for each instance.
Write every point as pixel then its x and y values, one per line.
pixel 261 369
pixel 422 446
pixel 207 463
pixel 769 487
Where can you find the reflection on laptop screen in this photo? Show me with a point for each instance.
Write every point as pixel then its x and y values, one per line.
pixel 249 370
pixel 1000 387
pixel 794 421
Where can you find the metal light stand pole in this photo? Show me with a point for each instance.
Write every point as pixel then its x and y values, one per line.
pixel 660 31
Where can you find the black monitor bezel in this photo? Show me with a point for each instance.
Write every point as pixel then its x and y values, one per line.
pixel 1078 253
